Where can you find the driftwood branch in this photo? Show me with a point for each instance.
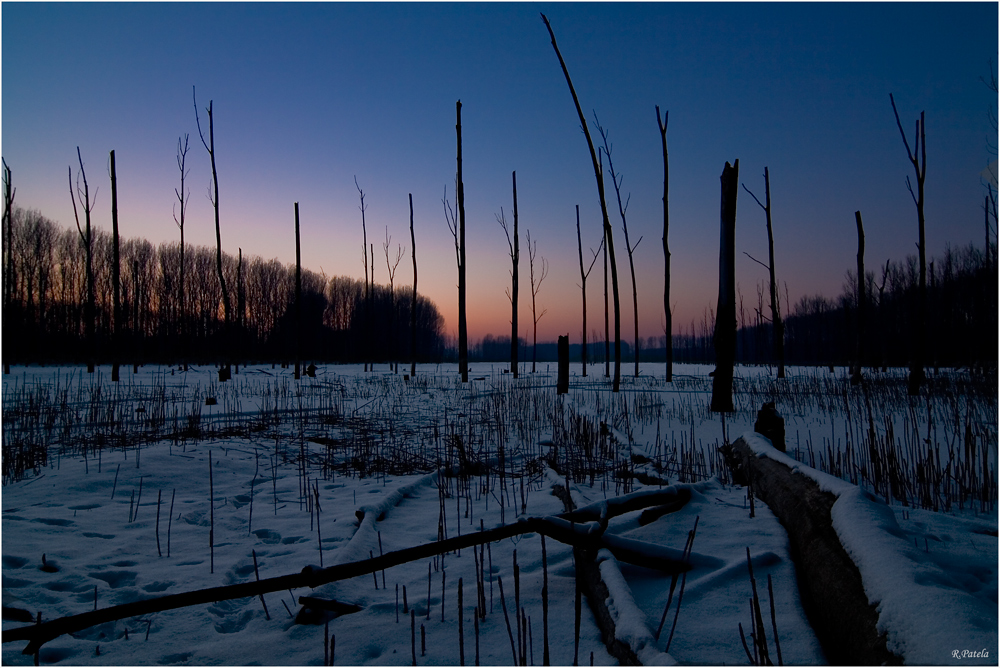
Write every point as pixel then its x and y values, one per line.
pixel 583 529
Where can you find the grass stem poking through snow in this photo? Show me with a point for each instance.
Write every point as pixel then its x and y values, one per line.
pixel 576 626
pixel 758 619
pixel 545 606
pixel 413 636
pixel 170 519
pixel 774 623
pixel 423 640
pixel 475 623
pixel 211 515
pixel 461 634
pixel 158 493
pixel 371 555
pixel 506 618
pixel 319 537
pixel 333 646
pixel 406 607
pixel 428 591
pixel 256 574
pixel 397 603
pixel 443 573
pixel 326 646
pixel 380 553
pixel 115 486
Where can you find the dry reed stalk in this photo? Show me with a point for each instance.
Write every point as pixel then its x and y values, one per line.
pixel 506 618
pixel 413 636
pixel 461 634
pixel 158 552
pixel 545 606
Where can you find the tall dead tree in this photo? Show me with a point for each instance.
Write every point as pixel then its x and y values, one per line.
pixel 583 286
pixel 776 322
pixel 87 238
pixel 609 237
pixel 224 373
pixel 241 308
pixel 607 335
pixel 8 256
pixel 392 265
pixel 862 302
pixel 463 331
pixel 616 179
pixel 181 195
pixel 918 158
pixel 298 296
pixel 668 326
pixel 364 258
pixel 536 285
pixel 514 251
pixel 725 313
pixel 413 300
pixel 116 289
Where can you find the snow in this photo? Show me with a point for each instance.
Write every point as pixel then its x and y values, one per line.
pixel 934 596
pixel 925 601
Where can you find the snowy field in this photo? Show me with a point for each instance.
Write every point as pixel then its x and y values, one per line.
pixel 347 465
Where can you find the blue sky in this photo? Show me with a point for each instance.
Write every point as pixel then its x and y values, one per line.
pixel 308 96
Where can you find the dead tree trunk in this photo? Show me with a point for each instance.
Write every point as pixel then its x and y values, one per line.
pixel 607 335
pixel 918 157
pixel 832 592
pixel 668 327
pixel 224 373
pixel 392 266
pixel 725 314
pixel 364 258
pixel 856 377
pixel 616 179
pixel 8 275
pixel 413 300
pixel 536 286
pixel 609 237
pixel 181 196
pixel 241 309
pixel 583 287
pixel 115 272
pixel 298 296
pixel 777 324
pixel 515 257
pixel 87 239
pixel 463 330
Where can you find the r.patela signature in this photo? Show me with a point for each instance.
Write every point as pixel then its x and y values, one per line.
pixel 969 654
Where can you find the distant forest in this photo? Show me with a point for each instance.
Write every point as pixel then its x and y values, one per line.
pixel 45 320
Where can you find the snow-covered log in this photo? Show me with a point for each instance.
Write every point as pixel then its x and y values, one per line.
pixel 830 585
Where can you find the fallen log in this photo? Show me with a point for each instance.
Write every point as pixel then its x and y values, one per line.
pixel 565 529
pixel 830 586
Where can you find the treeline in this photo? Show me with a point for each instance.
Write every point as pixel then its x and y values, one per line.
pixel 46 314
pixel 962 329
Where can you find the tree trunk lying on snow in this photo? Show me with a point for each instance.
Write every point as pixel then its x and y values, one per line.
pixel 829 582
pixel 584 529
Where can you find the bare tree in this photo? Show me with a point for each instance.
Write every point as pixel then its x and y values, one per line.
pixel 607 335
pixel 364 258
pixel 298 296
pixel 181 195
pixel 609 237
pixel 224 373
pixel 116 272
pixel 918 158
pixel 776 321
pixel 413 301
pixel 514 251
pixel 668 327
pixel 725 320
pixel 856 376
pixel 616 179
pixel 392 265
pixel 463 331
pixel 8 274
pixel 87 238
pixel 583 285
pixel 536 285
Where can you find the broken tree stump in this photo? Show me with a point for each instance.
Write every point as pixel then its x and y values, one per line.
pixel 771 425
pixel 830 586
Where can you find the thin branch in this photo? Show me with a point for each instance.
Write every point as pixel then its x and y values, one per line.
pixel 756 260
pixel 754 196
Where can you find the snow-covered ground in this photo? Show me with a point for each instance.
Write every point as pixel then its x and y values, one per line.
pixel 932 574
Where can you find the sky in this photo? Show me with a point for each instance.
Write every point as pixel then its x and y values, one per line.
pixel 307 97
